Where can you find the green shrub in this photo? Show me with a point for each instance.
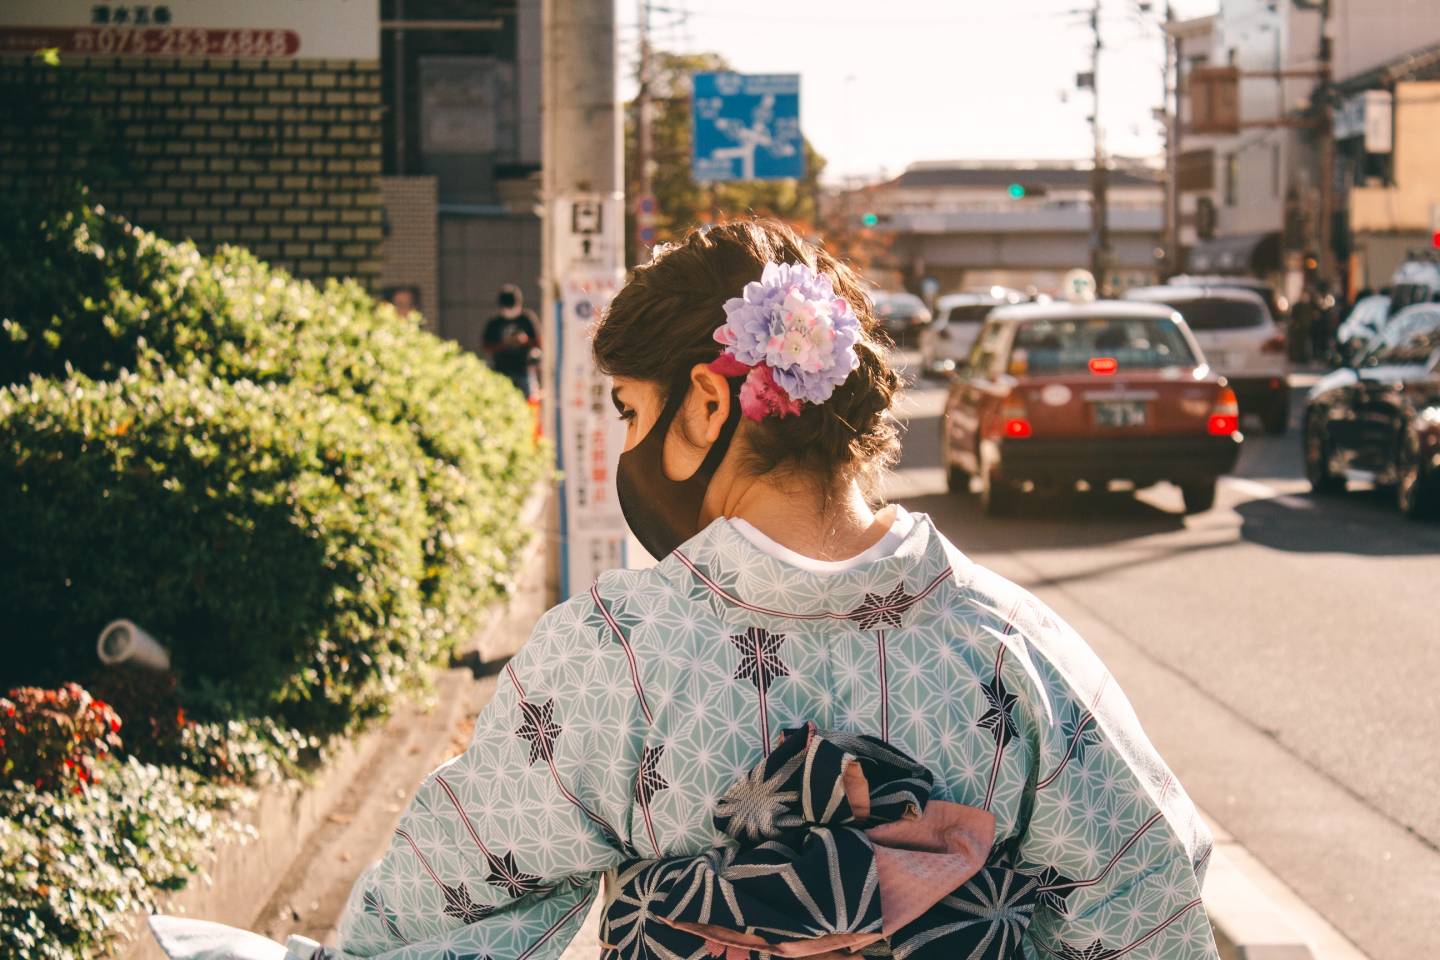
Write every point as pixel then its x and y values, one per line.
pixel 271 536
pixel 76 870
pixel 136 300
pixel 158 729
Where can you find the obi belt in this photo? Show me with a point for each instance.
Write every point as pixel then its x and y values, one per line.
pixel 834 848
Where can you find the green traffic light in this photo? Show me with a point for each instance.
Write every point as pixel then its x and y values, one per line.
pixel 869 219
pixel 1017 191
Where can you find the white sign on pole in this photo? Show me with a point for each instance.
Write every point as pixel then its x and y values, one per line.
pixel 195 29
pixel 589 230
pixel 591 437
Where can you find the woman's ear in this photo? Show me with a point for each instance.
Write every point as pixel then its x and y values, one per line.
pixel 712 391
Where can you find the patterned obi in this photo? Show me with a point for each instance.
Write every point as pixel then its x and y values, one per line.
pixel 833 848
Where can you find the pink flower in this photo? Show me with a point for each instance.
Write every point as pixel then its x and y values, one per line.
pixel 760 396
pixel 727 366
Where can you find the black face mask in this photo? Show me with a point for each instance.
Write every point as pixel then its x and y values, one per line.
pixel 664 513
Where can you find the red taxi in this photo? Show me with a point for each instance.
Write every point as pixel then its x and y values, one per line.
pixel 1060 393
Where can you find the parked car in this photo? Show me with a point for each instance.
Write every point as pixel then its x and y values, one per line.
pixel 946 342
pixel 1241 341
pixel 1380 420
pixel 1278 306
pixel 1056 394
pixel 1361 326
pixel 901 314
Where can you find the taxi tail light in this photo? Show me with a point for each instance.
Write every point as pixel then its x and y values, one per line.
pixel 1275 344
pixel 1016 419
pixel 1104 366
pixel 1225 414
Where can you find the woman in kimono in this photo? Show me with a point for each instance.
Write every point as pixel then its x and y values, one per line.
pixel 756 395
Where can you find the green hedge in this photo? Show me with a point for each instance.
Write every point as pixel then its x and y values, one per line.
pixel 286 483
pixel 270 535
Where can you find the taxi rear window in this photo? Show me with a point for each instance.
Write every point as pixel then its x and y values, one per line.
pixel 1068 346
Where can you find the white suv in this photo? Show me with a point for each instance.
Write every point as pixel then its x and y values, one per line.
pixel 1241 340
pixel 946 342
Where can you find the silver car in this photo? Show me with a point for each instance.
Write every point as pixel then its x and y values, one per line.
pixel 946 342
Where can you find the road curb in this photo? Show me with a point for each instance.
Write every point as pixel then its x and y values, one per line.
pixel 1255 916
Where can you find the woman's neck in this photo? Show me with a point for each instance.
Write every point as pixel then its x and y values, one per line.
pixel 797 515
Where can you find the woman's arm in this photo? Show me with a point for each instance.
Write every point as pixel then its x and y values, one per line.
pixel 498 853
pixel 1118 846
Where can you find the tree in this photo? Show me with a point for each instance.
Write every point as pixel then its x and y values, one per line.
pixel 683 203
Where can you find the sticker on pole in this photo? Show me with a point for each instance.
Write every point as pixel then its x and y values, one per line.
pixel 746 127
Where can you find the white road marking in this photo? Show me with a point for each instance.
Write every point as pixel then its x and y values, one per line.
pixel 1263 491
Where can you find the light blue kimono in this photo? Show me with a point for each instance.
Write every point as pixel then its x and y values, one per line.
pixel 637 704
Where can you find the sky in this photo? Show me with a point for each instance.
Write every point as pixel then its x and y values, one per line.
pixel 885 83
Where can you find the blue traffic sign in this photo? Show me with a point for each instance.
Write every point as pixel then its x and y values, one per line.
pixel 746 127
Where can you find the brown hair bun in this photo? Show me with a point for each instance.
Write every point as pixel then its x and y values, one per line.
pixel 661 324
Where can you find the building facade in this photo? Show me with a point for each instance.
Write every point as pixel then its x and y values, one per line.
pixel 461 158
pixel 261 128
pixel 1261 208
pixel 971 225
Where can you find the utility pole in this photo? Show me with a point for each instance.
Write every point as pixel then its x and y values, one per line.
pixel 1172 144
pixel 1099 215
pixel 644 136
pixel 583 230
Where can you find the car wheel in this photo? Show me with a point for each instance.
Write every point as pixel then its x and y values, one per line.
pixel 1276 420
pixel 998 497
pixel 1317 459
pixel 1416 494
pixel 1199 495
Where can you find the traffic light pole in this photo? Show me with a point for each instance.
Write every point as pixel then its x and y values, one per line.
pixel 1324 93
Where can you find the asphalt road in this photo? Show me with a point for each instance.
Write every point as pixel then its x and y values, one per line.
pixel 1282 650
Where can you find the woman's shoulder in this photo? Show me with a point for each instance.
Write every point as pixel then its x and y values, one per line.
pixel 590 614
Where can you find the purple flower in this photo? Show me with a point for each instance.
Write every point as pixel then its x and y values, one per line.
pixel 792 322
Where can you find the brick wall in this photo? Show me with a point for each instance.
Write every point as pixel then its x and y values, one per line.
pixel 282 157
pixel 409 254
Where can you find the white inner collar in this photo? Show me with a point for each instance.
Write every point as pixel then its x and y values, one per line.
pixel 900 528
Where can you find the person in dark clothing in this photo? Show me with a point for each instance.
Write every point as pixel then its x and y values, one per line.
pixel 512 342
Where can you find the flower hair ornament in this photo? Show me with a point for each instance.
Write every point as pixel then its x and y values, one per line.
pixel 790 337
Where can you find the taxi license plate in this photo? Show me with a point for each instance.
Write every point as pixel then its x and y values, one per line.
pixel 1122 413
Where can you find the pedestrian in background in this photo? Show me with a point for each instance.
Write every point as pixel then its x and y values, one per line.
pixel 511 340
pixel 1304 316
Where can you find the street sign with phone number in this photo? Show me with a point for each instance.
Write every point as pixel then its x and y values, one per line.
pixel 153 41
pixel 194 29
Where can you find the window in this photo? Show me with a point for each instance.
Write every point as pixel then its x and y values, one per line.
pixel 986 352
pixel 1214 313
pixel 969 313
pixel 1274 169
pixel 1067 346
pixel 1232 179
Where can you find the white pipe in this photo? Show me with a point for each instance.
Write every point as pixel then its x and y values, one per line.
pixel 123 642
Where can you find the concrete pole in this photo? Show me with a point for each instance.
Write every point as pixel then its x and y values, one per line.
pixel 581 153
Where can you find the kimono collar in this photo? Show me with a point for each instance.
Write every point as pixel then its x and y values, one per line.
pixel 722 566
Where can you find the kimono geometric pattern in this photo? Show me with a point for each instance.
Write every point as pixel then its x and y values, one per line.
pixel 636 705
